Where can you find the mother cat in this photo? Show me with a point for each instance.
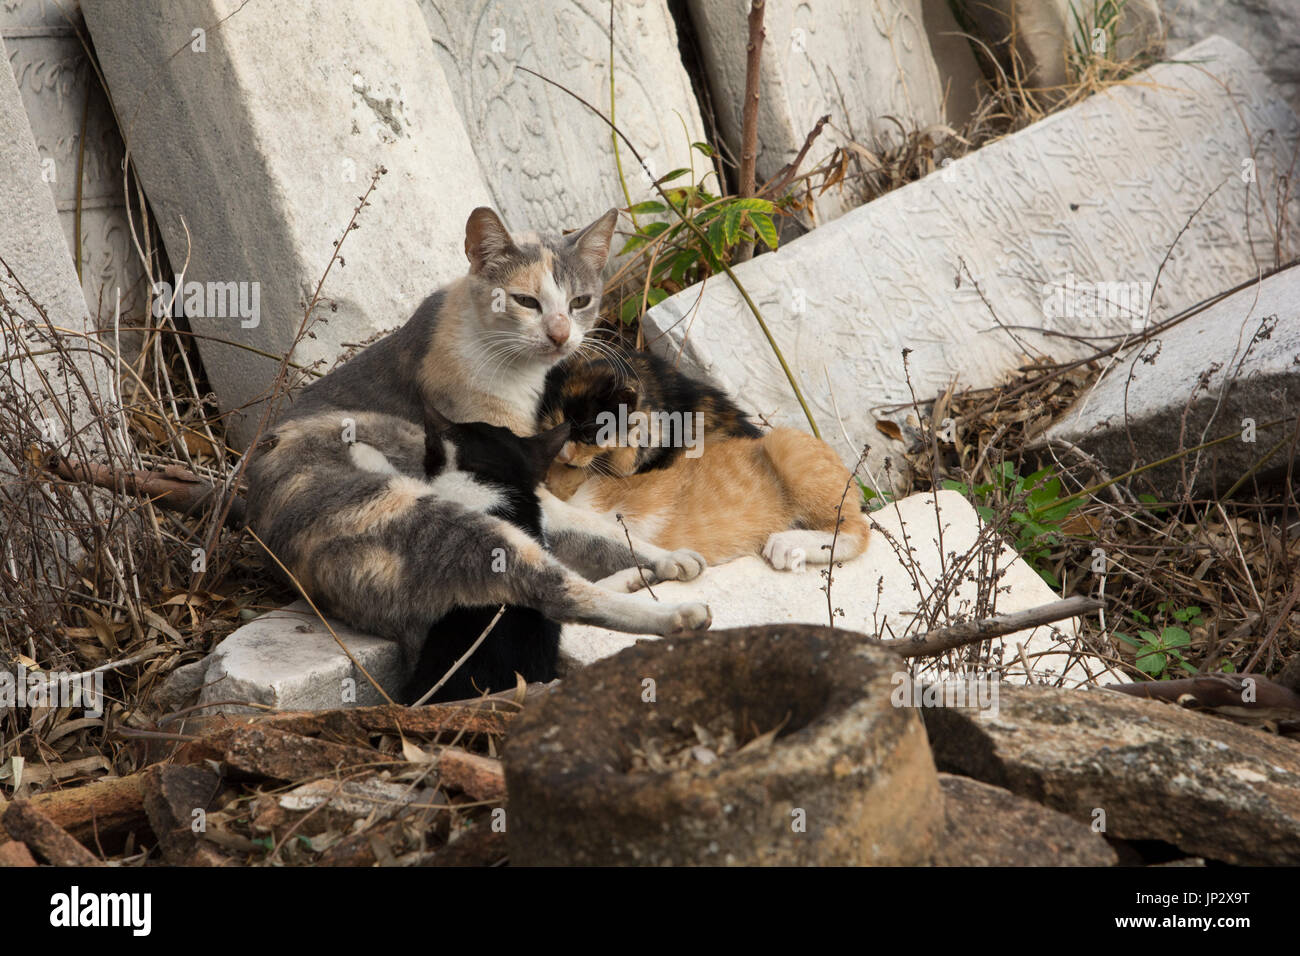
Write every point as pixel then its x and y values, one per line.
pixel 338 490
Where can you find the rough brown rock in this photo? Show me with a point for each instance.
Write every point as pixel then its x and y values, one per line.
pixel 171 795
pixel 844 760
pixel 1159 772
pixel 989 826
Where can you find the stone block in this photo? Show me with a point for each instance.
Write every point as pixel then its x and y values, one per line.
pixel 33 248
pixel 1155 771
pixel 1268 28
pixel 1063 225
pixel 256 127
pixel 1234 367
pixel 288 660
pixel 59 91
pixel 547 159
pixel 820 58
pixel 881 592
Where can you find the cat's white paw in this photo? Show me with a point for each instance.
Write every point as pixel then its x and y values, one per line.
pixel 627 581
pixel 681 565
pixel 791 550
pixel 690 617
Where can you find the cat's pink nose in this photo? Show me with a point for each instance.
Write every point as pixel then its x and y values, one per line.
pixel 557 328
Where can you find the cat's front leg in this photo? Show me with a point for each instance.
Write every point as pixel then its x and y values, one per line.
pixel 596 547
pixel 534 578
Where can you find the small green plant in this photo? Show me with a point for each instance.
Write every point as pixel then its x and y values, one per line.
pixel 1160 653
pixel 1037 515
pixel 677 255
pixel 872 501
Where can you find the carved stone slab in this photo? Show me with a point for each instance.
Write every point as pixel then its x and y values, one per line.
pixel 60 91
pixel 33 247
pixel 547 159
pixel 857 61
pixel 256 127
pixel 1096 194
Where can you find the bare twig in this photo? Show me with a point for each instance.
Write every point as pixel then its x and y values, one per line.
pixel 749 113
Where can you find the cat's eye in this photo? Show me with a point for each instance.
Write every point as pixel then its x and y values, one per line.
pixel 527 301
pixel 581 302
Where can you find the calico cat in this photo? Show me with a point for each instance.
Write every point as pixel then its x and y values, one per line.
pixel 338 492
pixel 523 640
pixel 778 494
pixel 589 393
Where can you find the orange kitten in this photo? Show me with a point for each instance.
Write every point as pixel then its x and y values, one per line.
pixel 777 494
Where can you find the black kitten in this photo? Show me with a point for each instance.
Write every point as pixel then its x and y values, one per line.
pixel 524 640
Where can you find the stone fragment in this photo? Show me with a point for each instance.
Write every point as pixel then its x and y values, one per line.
pixel 1060 227
pixel 827 770
pixel 896 585
pixel 819 59
pixel 60 90
pixel 1270 29
pixel 172 795
pixel 989 826
pixel 1232 368
pixel 547 159
pixel 256 128
pixel 61 402
pixel 1143 770
pixel 287 659
pixel 1057 39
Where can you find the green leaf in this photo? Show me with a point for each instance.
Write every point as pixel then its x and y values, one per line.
pixel 754 205
pixel 717 238
pixel 765 229
pixel 731 224
pixel 681 262
pixel 673 174
pixel 1175 637
pixel 634 243
pixel 653 229
pixel 647 208
pixel 630 309
pixel 704 148
pixel 655 295
pixel 1151 664
pixel 1138 615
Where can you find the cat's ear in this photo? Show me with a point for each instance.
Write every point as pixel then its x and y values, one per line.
pixel 549 443
pixel 592 244
pixel 627 396
pixel 485 238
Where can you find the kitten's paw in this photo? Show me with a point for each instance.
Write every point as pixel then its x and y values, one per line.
pixel 791 550
pixel 690 617
pixel 681 565
pixel 627 581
